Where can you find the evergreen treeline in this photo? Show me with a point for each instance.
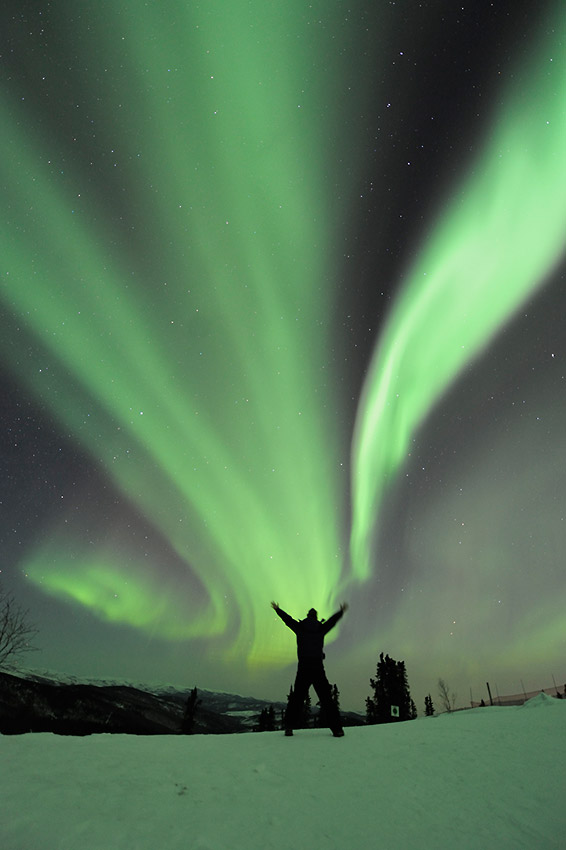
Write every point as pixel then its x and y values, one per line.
pixel 307 719
pixel 266 721
pixel 390 701
pixel 391 698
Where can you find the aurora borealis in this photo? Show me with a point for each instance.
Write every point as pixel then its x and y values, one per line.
pixel 476 255
pixel 271 281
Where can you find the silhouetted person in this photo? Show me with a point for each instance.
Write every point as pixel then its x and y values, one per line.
pixel 310 634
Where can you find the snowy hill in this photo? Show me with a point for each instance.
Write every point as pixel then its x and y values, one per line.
pixel 472 779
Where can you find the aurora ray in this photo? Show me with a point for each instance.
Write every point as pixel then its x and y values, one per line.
pixel 198 381
pixel 496 240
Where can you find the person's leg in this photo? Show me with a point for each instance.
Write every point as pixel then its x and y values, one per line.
pixel 300 693
pixel 327 706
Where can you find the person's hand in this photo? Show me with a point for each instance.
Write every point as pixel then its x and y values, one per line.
pixel 275 606
pixel 344 607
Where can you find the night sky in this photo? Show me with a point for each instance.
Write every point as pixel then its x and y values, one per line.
pixel 282 317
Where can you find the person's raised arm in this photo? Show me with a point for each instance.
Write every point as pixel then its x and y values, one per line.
pixel 331 622
pixel 287 619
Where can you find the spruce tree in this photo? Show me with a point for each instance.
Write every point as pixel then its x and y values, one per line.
pixel 321 719
pixel 266 721
pixel 304 716
pixel 429 707
pixel 336 697
pixel 286 716
pixel 390 689
pixel 188 722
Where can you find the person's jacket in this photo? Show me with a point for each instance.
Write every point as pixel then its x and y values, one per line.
pixel 310 634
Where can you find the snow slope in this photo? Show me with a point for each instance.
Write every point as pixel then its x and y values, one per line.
pixel 472 779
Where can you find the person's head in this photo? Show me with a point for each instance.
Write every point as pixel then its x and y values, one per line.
pixel 312 615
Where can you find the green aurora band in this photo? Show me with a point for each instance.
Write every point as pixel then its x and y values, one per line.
pixel 183 324
pixel 180 331
pixel 498 237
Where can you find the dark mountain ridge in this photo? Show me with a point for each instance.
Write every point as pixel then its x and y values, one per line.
pixel 39 702
pixel 36 704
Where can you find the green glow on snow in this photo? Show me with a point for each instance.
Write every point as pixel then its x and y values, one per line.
pixel 498 237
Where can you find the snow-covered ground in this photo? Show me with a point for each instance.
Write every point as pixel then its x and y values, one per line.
pixel 472 779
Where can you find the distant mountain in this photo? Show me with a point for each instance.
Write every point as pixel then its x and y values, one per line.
pixel 36 703
pixel 44 702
